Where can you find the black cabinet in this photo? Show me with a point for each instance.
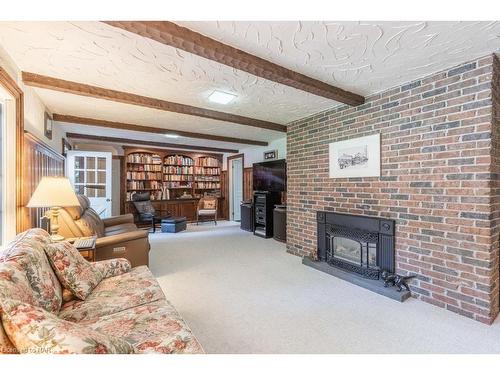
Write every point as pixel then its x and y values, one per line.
pixel 264 203
pixel 279 223
pixel 247 218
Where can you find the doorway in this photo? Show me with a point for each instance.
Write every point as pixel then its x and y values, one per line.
pixel 90 174
pixel 235 171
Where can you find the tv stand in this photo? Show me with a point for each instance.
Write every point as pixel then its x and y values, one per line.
pixel 264 202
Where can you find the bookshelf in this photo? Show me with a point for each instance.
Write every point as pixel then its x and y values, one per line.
pixel 171 175
pixel 144 174
pixel 178 176
pixel 207 175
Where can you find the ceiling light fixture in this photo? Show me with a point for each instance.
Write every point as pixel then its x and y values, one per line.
pixel 221 97
pixel 170 135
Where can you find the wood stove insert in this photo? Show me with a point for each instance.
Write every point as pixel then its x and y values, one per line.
pixel 359 244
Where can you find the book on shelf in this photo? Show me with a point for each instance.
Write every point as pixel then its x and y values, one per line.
pixel 207 161
pixel 144 185
pixel 178 177
pixel 206 170
pixel 144 158
pixel 214 178
pixel 144 176
pixel 208 185
pixel 170 169
pixel 178 160
pixel 144 167
pixel 178 185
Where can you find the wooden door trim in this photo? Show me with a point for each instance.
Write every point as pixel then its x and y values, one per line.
pixel 237 156
pixel 13 89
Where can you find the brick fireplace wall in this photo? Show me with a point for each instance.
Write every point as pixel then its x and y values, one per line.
pixel 440 162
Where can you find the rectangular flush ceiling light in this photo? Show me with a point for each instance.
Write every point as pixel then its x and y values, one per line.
pixel 221 97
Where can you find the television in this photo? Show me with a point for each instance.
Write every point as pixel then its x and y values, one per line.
pixel 270 176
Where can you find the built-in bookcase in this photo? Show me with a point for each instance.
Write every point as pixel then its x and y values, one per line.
pixel 168 175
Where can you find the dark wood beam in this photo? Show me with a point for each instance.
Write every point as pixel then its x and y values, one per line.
pixel 150 129
pixel 190 41
pixel 128 141
pixel 56 84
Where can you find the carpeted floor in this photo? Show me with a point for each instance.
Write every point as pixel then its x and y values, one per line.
pixel 243 294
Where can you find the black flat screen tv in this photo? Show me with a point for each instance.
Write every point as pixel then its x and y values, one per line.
pixel 269 176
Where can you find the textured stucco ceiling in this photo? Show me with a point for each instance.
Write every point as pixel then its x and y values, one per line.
pixel 365 57
pixel 99 54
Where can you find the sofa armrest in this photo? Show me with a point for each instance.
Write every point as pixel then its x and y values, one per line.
pixel 113 267
pixel 117 220
pixel 119 238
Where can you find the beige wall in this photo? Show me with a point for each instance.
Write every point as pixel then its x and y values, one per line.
pixel 255 154
pixel 34 109
pixel 114 149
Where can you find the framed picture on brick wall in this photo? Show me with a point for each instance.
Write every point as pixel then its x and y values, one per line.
pixel 358 157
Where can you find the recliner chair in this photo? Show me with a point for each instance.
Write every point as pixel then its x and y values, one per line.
pixel 117 236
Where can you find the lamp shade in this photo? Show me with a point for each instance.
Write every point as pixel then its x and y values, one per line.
pixel 54 192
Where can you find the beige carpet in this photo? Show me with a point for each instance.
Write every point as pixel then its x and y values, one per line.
pixel 243 294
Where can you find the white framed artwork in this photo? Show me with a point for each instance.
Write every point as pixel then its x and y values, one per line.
pixel 358 157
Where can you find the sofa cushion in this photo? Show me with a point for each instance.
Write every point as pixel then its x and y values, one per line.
pixel 74 272
pixel 36 331
pixel 113 267
pixel 115 294
pixel 152 328
pixel 13 285
pixel 27 251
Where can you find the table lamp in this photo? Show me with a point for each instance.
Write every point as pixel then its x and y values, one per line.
pixel 54 192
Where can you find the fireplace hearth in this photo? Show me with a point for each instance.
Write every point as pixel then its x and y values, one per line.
pixel 360 244
pixel 356 249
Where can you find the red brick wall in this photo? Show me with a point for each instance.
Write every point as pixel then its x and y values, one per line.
pixel 437 181
pixel 495 153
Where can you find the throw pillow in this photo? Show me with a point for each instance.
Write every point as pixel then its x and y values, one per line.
pixel 36 331
pixel 74 272
pixel 209 205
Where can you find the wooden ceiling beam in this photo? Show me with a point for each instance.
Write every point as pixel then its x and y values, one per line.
pixel 56 84
pixel 176 36
pixel 150 129
pixel 128 141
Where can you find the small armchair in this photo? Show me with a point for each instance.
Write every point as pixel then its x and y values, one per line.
pixel 146 211
pixel 207 207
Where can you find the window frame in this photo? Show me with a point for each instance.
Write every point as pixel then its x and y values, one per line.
pixel 12 88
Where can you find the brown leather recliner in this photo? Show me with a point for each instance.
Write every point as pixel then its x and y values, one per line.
pixel 117 236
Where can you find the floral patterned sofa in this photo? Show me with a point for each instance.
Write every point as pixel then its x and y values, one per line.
pixel 126 312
